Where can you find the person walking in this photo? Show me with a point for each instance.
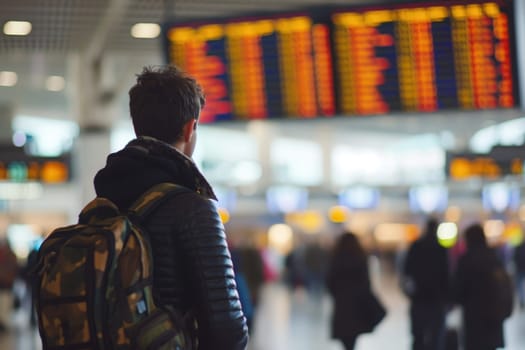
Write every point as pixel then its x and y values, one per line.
pixel 356 308
pixel 519 264
pixel 8 272
pixel 478 294
pixel 193 270
pixel 426 282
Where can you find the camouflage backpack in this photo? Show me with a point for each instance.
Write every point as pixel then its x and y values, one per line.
pixel 94 282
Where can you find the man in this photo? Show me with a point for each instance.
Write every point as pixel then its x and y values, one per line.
pixel 426 275
pixel 193 270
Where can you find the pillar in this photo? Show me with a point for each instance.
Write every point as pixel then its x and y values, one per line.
pixel 6 118
pixel 263 132
pixel 95 108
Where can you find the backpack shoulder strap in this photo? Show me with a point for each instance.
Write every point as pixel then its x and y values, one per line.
pixel 98 209
pixel 150 199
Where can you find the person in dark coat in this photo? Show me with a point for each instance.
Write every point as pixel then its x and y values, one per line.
pixel 192 270
pixel 349 285
pixel 519 264
pixel 242 287
pixel 426 278
pixel 481 331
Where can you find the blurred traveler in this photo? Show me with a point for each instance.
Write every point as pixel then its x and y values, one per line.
pixel 519 264
pixel 27 278
pixel 253 271
pixel 356 308
pixel 290 266
pixel 242 287
pixel 295 274
pixel 482 287
pixel 8 274
pixel 425 278
pixel 315 267
pixel 193 270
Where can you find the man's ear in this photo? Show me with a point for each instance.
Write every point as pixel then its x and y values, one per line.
pixel 189 129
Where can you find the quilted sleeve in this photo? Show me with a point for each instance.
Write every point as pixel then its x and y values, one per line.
pixel 221 322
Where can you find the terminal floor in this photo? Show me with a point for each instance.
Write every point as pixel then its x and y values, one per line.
pixel 296 320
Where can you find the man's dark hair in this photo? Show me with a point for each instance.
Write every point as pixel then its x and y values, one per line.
pixel 162 101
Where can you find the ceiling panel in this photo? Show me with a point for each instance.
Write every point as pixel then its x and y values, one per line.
pixel 57 25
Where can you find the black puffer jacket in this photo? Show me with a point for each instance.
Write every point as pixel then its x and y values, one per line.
pixel 192 265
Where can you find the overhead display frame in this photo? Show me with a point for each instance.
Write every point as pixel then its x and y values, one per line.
pixel 420 57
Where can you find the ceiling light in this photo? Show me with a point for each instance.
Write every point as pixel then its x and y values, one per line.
pixel 55 83
pixel 17 28
pixel 8 78
pixel 145 30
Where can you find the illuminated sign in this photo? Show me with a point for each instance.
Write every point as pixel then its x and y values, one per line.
pixel 352 61
pixel 17 166
pixel 428 199
pixel 502 160
pixel 286 199
pixel 499 197
pixel 424 58
pixel 258 68
pixel 360 197
pixel 43 170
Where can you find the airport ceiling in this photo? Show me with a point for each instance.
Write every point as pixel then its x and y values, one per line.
pixel 63 29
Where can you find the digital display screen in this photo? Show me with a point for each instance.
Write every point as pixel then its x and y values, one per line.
pixel 258 68
pixel 39 169
pixel 284 199
pixel 428 199
pixel 499 197
pixel 423 58
pixel 348 62
pixel 500 161
pixel 360 197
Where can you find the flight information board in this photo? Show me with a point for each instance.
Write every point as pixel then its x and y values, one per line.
pixel 358 61
pixel 423 58
pixel 258 68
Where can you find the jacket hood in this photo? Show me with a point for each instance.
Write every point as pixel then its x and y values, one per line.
pixel 143 163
